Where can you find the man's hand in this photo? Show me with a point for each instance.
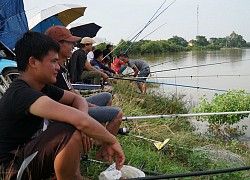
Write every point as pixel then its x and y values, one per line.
pixel 87 143
pixel 104 76
pixel 110 152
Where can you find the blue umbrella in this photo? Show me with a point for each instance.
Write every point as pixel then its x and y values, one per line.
pixel 13 21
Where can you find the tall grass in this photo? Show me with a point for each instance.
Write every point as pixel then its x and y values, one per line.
pixel 179 156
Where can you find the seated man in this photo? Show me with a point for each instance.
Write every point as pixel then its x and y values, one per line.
pixel 118 65
pixel 29 100
pixel 138 66
pixel 107 54
pixel 99 104
pixel 80 69
pixel 97 63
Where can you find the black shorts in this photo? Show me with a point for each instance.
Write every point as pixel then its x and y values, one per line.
pixel 48 144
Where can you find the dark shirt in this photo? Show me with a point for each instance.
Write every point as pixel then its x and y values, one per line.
pixel 109 58
pixel 62 80
pixel 17 125
pixel 95 62
pixel 76 65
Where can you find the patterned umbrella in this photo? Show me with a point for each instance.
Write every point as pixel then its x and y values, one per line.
pixel 60 14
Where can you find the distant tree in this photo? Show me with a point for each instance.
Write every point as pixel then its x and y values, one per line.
pixel 235 40
pixel 178 41
pixel 201 41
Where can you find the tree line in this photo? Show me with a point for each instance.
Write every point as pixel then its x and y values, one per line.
pixel 178 44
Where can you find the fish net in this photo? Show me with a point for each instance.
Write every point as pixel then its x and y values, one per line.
pixel 217 154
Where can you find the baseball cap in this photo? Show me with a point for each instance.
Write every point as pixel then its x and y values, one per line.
pixel 87 40
pixel 60 33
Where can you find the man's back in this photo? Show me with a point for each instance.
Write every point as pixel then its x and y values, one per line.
pixel 140 64
pixel 76 65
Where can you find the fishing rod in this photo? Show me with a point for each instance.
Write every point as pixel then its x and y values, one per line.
pixel 202 65
pixel 182 115
pixel 137 35
pixel 149 22
pixel 174 84
pixel 154 31
pixel 134 37
pixel 190 76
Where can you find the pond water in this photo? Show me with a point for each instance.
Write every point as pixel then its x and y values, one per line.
pixel 234 74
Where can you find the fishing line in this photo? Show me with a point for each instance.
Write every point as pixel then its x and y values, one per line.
pixel 194 76
pixel 202 65
pixel 149 22
pixel 168 61
pixel 174 84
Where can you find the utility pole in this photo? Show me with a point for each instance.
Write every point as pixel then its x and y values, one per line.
pixel 197 20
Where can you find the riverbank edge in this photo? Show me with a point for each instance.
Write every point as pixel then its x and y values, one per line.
pixel 180 155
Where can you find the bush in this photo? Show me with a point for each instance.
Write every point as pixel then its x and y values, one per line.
pixel 235 100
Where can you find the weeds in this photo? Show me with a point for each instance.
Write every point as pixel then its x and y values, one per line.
pixel 179 155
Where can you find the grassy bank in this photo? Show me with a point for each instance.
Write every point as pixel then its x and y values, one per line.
pixel 186 151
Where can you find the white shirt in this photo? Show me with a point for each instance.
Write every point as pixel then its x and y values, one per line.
pixel 90 56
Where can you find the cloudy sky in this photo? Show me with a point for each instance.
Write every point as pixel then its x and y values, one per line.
pixel 122 19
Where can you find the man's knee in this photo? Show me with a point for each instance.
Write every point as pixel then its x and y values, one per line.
pixel 76 139
pixel 119 117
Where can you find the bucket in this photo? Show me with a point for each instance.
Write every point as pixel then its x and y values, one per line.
pixel 126 172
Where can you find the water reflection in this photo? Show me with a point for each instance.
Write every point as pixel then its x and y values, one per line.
pixel 175 60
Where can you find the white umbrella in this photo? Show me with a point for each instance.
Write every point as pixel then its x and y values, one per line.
pixel 60 14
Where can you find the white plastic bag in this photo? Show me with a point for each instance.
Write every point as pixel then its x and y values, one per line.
pixel 111 173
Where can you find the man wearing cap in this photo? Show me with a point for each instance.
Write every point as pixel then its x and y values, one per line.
pixel 29 100
pixel 80 69
pixel 100 104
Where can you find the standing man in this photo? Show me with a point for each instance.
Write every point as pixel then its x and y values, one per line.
pixel 141 68
pixel 29 100
pixel 99 104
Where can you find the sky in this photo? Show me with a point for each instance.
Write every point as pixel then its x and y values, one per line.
pixel 122 19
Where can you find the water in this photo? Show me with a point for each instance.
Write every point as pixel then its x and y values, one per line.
pixel 239 63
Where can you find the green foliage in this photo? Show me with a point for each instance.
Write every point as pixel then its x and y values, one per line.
pixel 178 156
pixel 178 41
pixel 177 44
pixel 234 100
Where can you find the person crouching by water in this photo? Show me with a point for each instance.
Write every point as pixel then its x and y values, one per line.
pixel 141 69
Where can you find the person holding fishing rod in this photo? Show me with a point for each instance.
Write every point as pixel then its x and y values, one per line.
pixel 141 69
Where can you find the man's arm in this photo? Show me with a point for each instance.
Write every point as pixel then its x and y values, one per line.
pixel 50 109
pixel 91 68
pixel 136 71
pixel 74 113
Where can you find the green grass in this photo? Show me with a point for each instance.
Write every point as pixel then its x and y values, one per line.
pixel 179 156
